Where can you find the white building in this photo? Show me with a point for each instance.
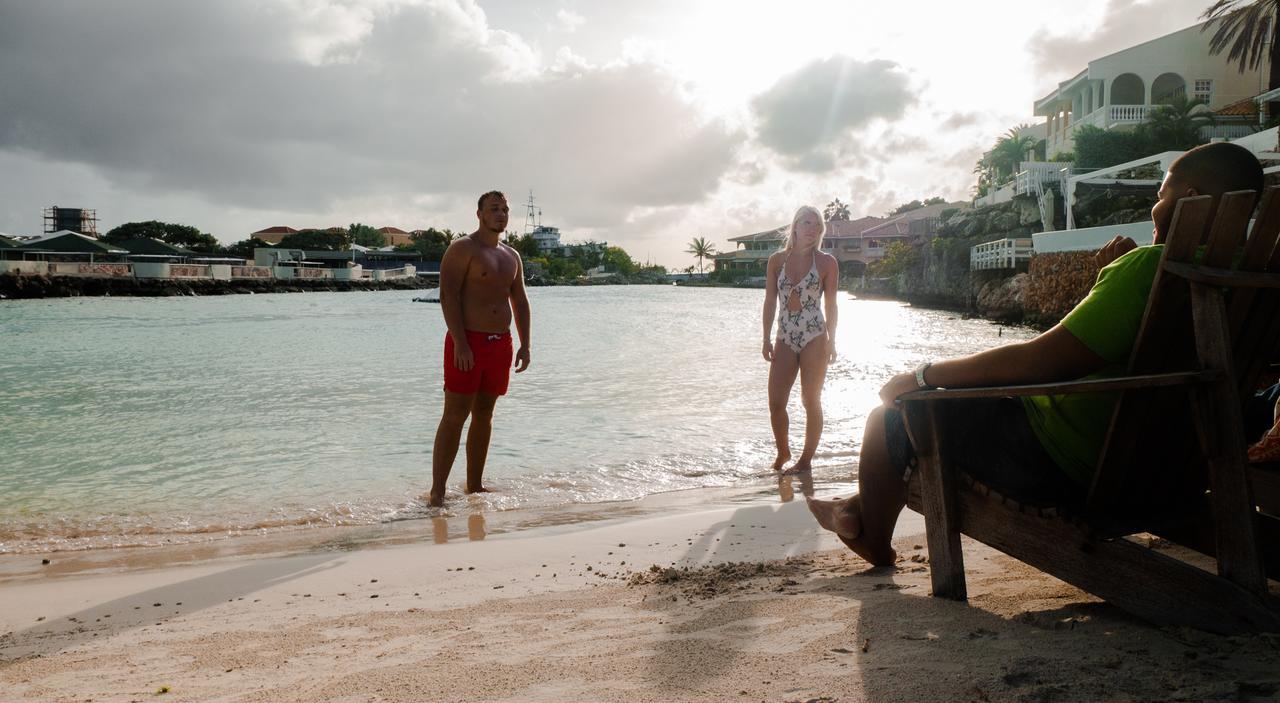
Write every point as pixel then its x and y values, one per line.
pixel 1119 90
pixel 548 238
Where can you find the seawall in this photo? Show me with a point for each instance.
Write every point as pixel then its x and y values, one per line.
pixel 14 286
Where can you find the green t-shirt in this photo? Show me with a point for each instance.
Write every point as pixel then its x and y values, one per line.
pixel 1072 428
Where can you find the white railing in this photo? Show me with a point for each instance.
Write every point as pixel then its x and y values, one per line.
pixel 1000 254
pixel 1038 173
pixel 1129 113
pixel 1227 131
pixel 1097 118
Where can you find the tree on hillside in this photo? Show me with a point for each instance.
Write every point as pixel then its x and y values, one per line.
pixel 184 236
pixel 702 249
pixel 915 205
pixel 1246 29
pixel 366 236
pixel 316 239
pixel 836 211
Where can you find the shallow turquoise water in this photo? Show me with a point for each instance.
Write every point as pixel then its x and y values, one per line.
pixel 131 421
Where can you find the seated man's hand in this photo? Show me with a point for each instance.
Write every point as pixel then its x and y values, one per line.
pixel 902 383
pixel 1114 249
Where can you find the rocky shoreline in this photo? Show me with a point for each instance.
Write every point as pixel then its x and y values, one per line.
pixel 16 287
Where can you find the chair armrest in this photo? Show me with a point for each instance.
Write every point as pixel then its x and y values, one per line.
pixel 1101 385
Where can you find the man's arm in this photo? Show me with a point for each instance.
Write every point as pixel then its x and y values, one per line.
pixel 770 304
pixel 830 288
pixel 453 273
pixel 520 307
pixel 1056 355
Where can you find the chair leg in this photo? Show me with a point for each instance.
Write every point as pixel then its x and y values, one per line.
pixel 937 494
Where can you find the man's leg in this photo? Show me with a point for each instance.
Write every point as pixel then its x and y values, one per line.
pixel 478 440
pixel 865 522
pixel 448 433
pixel 782 375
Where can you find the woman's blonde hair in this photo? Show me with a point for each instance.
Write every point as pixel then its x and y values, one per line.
pixel 806 210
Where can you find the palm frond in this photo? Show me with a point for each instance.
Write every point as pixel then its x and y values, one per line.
pixel 1242 29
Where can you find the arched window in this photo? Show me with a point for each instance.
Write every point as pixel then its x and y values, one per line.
pixel 1128 89
pixel 1166 87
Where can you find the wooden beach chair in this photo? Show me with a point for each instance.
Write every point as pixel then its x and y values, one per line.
pixel 1174 462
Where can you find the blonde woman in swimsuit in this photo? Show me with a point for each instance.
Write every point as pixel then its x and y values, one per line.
pixel 804 280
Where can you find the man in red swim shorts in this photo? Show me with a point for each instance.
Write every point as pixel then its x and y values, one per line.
pixel 481 290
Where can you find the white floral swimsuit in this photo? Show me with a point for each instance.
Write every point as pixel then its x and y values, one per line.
pixel 800 327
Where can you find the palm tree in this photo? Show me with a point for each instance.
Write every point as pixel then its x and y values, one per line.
pixel 1175 125
pixel 702 249
pixel 1244 28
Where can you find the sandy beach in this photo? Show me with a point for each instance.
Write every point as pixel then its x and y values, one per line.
pixel 732 602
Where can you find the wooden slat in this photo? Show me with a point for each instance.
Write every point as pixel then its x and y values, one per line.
pixel 1227 234
pixel 1239 557
pixel 938 489
pixel 1104 385
pixel 1164 335
pixel 1147 583
pixel 1226 278
pixel 1254 323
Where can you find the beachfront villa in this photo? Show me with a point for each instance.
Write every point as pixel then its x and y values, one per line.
pixel 854 243
pixel 1119 90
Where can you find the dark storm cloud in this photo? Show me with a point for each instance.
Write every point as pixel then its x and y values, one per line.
pixel 272 106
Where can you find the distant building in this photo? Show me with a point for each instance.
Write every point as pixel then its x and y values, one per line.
pixel 1120 90
pixel 548 238
pixel 273 235
pixel 396 236
pixel 854 243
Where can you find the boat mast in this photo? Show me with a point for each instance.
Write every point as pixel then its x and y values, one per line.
pixel 532 215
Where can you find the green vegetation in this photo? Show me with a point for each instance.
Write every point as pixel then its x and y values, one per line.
pixel 317 239
pixel 1171 127
pixel 702 249
pixel 1000 164
pixel 184 236
pixel 366 236
pixel 915 205
pixel 898 257
pixel 430 242
pixel 836 211
pixel 1242 30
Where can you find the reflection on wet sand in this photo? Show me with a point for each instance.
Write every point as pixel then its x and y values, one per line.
pixel 476 528
pixel 786 487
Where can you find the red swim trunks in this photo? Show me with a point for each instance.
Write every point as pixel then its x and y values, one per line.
pixel 492 371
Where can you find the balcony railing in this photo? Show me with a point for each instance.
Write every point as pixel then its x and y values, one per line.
pixel 1126 114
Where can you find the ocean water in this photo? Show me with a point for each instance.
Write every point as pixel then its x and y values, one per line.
pixel 150 420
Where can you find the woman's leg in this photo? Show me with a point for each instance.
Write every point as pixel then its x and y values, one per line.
pixel 813 373
pixel 782 375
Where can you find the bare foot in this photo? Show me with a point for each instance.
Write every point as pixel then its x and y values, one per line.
pixel 841 516
pixel 844 517
pixel 435 500
pixel 478 489
pixel 783 458
pixel 800 467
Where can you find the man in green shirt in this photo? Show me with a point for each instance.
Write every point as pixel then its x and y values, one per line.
pixel 1049 444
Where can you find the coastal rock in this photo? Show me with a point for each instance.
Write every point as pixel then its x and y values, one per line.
pixel 1058 282
pixel 1003 299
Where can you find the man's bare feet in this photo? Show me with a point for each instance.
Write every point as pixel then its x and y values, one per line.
pixel 783 458
pixel 844 517
pixel 435 500
pixel 477 489
pixel 841 516
pixel 800 467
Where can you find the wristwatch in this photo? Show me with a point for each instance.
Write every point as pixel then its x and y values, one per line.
pixel 920 382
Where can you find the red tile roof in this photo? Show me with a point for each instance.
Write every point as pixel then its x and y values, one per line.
pixel 276 230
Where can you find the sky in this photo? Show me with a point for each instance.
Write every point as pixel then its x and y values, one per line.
pixel 640 123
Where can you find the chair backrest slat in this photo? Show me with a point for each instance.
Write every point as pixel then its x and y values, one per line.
pixel 1150 438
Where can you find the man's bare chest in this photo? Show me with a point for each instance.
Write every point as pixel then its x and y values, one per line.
pixel 492 268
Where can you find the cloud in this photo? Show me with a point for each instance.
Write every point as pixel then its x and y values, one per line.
pixel 809 116
pixel 569 21
pixel 956 120
pixel 1124 23
pixel 311 107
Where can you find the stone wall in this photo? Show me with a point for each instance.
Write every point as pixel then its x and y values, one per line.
pixel 1057 282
